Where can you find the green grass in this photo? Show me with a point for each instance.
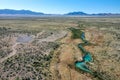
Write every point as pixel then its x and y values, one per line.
pixel 76 33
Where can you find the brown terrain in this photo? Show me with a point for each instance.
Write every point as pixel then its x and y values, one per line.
pixel 43 48
pixel 62 65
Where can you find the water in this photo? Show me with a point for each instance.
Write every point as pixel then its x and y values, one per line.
pixel 87 56
pixel 82 66
pixel 82 36
pixel 80 46
pixel 24 39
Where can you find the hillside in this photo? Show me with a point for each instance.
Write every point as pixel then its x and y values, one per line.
pixel 22 12
pixel 76 13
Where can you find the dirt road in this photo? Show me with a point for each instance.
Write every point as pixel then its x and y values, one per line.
pixel 11 54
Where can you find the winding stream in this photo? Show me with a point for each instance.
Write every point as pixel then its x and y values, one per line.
pixel 82 65
pixel 87 58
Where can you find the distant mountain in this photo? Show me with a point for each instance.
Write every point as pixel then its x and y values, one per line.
pixel 86 14
pixel 76 13
pixel 106 14
pixel 12 12
pixel 20 12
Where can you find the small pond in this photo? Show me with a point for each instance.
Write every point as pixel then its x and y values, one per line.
pixel 24 38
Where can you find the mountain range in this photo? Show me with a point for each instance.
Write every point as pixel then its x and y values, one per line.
pixel 28 12
pixel 22 12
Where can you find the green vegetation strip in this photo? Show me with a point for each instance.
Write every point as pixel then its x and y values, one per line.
pixel 87 57
pixel 82 65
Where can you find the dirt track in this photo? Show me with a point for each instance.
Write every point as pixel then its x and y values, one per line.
pixel 11 54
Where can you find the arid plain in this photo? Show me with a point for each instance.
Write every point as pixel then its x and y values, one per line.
pixel 42 48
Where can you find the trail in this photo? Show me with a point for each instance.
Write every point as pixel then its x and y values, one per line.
pixel 11 54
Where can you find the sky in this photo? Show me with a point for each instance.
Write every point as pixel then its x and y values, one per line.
pixel 63 6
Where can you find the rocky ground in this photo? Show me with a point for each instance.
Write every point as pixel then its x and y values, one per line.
pixel 30 60
pixel 51 53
